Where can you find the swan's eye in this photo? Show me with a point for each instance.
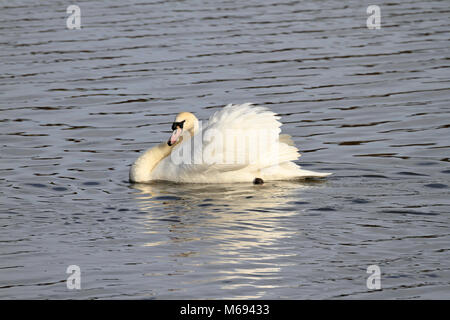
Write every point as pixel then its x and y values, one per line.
pixel 176 125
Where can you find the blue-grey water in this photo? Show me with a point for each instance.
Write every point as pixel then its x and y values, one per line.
pixel 78 106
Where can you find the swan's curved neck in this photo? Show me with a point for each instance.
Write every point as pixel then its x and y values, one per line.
pixel 142 168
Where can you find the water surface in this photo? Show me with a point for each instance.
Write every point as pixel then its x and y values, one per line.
pixel 78 106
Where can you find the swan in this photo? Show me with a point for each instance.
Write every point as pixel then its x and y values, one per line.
pixel 239 143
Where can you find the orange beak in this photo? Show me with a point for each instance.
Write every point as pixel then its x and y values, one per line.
pixel 175 136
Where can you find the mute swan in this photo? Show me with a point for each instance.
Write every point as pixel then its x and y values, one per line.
pixel 239 143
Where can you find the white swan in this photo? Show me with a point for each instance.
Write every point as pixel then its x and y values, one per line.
pixel 240 143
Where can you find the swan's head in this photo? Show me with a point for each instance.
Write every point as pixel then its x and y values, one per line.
pixel 184 122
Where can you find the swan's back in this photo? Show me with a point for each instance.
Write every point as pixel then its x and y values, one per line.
pixel 240 143
pixel 260 127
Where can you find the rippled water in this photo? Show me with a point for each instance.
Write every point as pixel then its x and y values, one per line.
pixel 371 106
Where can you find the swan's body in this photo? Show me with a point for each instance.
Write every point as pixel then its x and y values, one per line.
pixel 205 164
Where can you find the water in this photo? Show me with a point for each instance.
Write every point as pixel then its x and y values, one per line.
pixel 78 106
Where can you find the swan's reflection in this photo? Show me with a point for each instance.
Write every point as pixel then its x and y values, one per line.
pixel 237 230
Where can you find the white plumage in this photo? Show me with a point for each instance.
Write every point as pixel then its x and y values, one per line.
pixel 238 144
